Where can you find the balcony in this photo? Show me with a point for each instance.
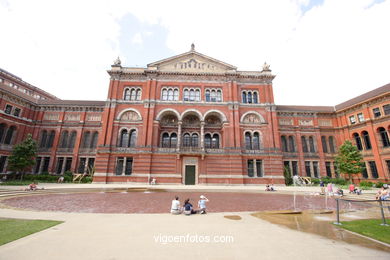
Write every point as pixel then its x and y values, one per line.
pixel 191 150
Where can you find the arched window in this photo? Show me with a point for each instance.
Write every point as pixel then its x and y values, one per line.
pixel 324 145
pixel 384 137
pixel 94 140
pixel 332 144
pixel 86 140
pixel 250 97
pixel 291 143
pixel 43 139
pixel 256 141
pixel 165 94
pixel 186 140
pixel 170 94
pixel 207 141
pixel 304 144
pixel 133 94
pixel 311 143
pixel 186 95
pixel 244 97
pixel 9 135
pixel 208 98
pixel 219 95
pixel 165 140
pixel 215 141
pixel 197 95
pixel 194 140
pixel 248 141
pixel 284 143
pixel 51 139
pixel 176 95
pixel 64 139
pixel 2 131
pixel 192 95
pixel 366 138
pixel 213 96
pixel 72 139
pixel 133 138
pixel 138 94
pixel 255 100
pixel 124 138
pixel 173 140
pixel 358 141
pixel 127 94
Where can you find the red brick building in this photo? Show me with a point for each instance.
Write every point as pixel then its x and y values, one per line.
pixel 192 119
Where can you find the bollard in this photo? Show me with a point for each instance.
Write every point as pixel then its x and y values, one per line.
pixel 383 214
pixel 338 213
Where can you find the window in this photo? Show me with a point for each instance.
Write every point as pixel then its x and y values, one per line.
pixel 352 120
pixel 186 140
pixel 360 117
pixel 60 163
pixel 124 165
pixel 332 144
pixel 207 141
pixel 328 169
pixel 186 95
pixel 252 141
pixel 43 139
pixel 16 111
pixel 386 109
pixel 358 141
pixel 132 94
pixel 64 139
pixel 86 140
pixel 284 144
pixel 50 140
pixel 194 140
pixel 37 166
pixel 244 97
pixel 291 144
pixel 366 139
pixel 324 145
pixel 256 141
pixel 315 169
pixel 207 98
pixel 213 95
pixel 94 140
pixel 250 168
pixel 3 127
pixel 374 170
pixel 250 97
pixel 119 166
pixel 133 138
pixel 294 168
pixel 311 143
pixel 377 112
pixel 165 140
pixel 82 164
pixel 165 94
pixel 176 95
pixel 9 135
pixel 304 144
pixel 384 137
pixel 248 141
pixel 8 109
pixel 72 139
pixel 307 169
pixel 191 94
pixel 170 94
pixel 388 165
pixel 127 94
pixel 3 159
pixel 364 172
pixel 215 141
pixel 173 140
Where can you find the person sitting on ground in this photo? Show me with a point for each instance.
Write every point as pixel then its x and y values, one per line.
pixel 188 209
pixel 340 192
pixel 175 207
pixel 385 194
pixel 60 179
pixel 379 193
pixel 32 187
pixel 267 187
pixel 322 185
pixel 351 188
pixel 202 204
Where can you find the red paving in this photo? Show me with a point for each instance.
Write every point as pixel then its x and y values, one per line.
pixel 160 202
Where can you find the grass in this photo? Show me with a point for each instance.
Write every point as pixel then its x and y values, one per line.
pixel 15 183
pixel 12 229
pixel 370 228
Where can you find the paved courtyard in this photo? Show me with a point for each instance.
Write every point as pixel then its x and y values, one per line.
pixel 164 236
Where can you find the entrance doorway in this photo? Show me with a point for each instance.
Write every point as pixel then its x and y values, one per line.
pixel 190 175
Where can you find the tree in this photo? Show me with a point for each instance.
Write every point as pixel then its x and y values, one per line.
pixel 288 180
pixel 23 156
pixel 349 159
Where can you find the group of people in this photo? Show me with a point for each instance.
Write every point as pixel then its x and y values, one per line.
pixel 187 208
pixel 383 193
pixel 330 189
pixel 269 187
pixel 354 190
pixel 33 187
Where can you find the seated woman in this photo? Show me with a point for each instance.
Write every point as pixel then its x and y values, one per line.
pixel 188 208
pixel 31 187
pixel 175 207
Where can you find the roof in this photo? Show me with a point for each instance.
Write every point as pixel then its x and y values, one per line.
pixel 72 102
pixel 324 109
pixel 371 94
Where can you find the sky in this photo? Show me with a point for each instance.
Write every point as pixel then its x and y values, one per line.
pixel 323 52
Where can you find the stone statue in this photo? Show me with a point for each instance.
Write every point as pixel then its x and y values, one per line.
pixel 117 62
pixel 192 47
pixel 266 67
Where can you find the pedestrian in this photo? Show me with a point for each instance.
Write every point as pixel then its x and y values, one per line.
pixel 202 204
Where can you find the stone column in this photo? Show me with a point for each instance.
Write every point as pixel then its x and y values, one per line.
pixel 124 166
pixel 178 144
pixel 41 165
pixel 202 123
pixel 63 165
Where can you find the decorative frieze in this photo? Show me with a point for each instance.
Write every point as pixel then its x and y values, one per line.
pixel 94 118
pixel 130 116
pixel 284 121
pixel 325 122
pixel 72 117
pixel 51 116
pixel 304 122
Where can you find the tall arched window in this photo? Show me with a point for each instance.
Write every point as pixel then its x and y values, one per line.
pixel 284 143
pixel 170 94
pixel 43 139
pixel 311 143
pixel 248 141
pixel 186 140
pixel 165 140
pixel 176 95
pixel 249 97
pixel 86 140
pixel 244 97
pixel 197 95
pixel 324 145
pixel 304 144
pixel 358 141
pixel 291 143
pixel 186 96
pixel 64 139
pixel 208 97
pixel 133 138
pixel 51 139
pixel 255 99
pixel 133 94
pixel 215 141
pixel 256 141
pixel 9 135
pixel 331 144
pixel 366 138
pixel 165 94
pixel 219 95
pixel 173 140
pixel 384 137
pixel 192 95
pixel 127 94
pixel 2 131
pixel 138 94
pixel 213 96
pixel 94 140
pixel 207 141
pixel 124 138
pixel 72 139
pixel 194 140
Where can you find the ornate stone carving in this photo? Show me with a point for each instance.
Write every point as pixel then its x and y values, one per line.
pixel 169 120
pixel 191 121
pixel 213 121
pixel 94 118
pixel 325 122
pixel 130 116
pixel 72 117
pixel 51 116
pixel 305 122
pixel 251 119
pixel 285 122
pixel 117 62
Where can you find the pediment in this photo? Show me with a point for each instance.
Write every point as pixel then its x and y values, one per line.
pixel 191 61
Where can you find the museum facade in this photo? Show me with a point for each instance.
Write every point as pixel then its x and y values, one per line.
pixel 192 119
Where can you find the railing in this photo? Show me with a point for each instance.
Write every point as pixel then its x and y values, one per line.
pixel 65 150
pixel 165 150
pixel 185 149
pixel 87 150
pixel 7 147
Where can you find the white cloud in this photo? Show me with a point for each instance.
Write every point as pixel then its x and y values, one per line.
pixel 324 56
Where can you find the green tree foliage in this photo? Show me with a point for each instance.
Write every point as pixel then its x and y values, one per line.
pixel 288 180
pixel 23 155
pixel 349 159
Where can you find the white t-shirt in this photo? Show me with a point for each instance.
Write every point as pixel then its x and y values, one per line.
pixel 202 204
pixel 175 205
